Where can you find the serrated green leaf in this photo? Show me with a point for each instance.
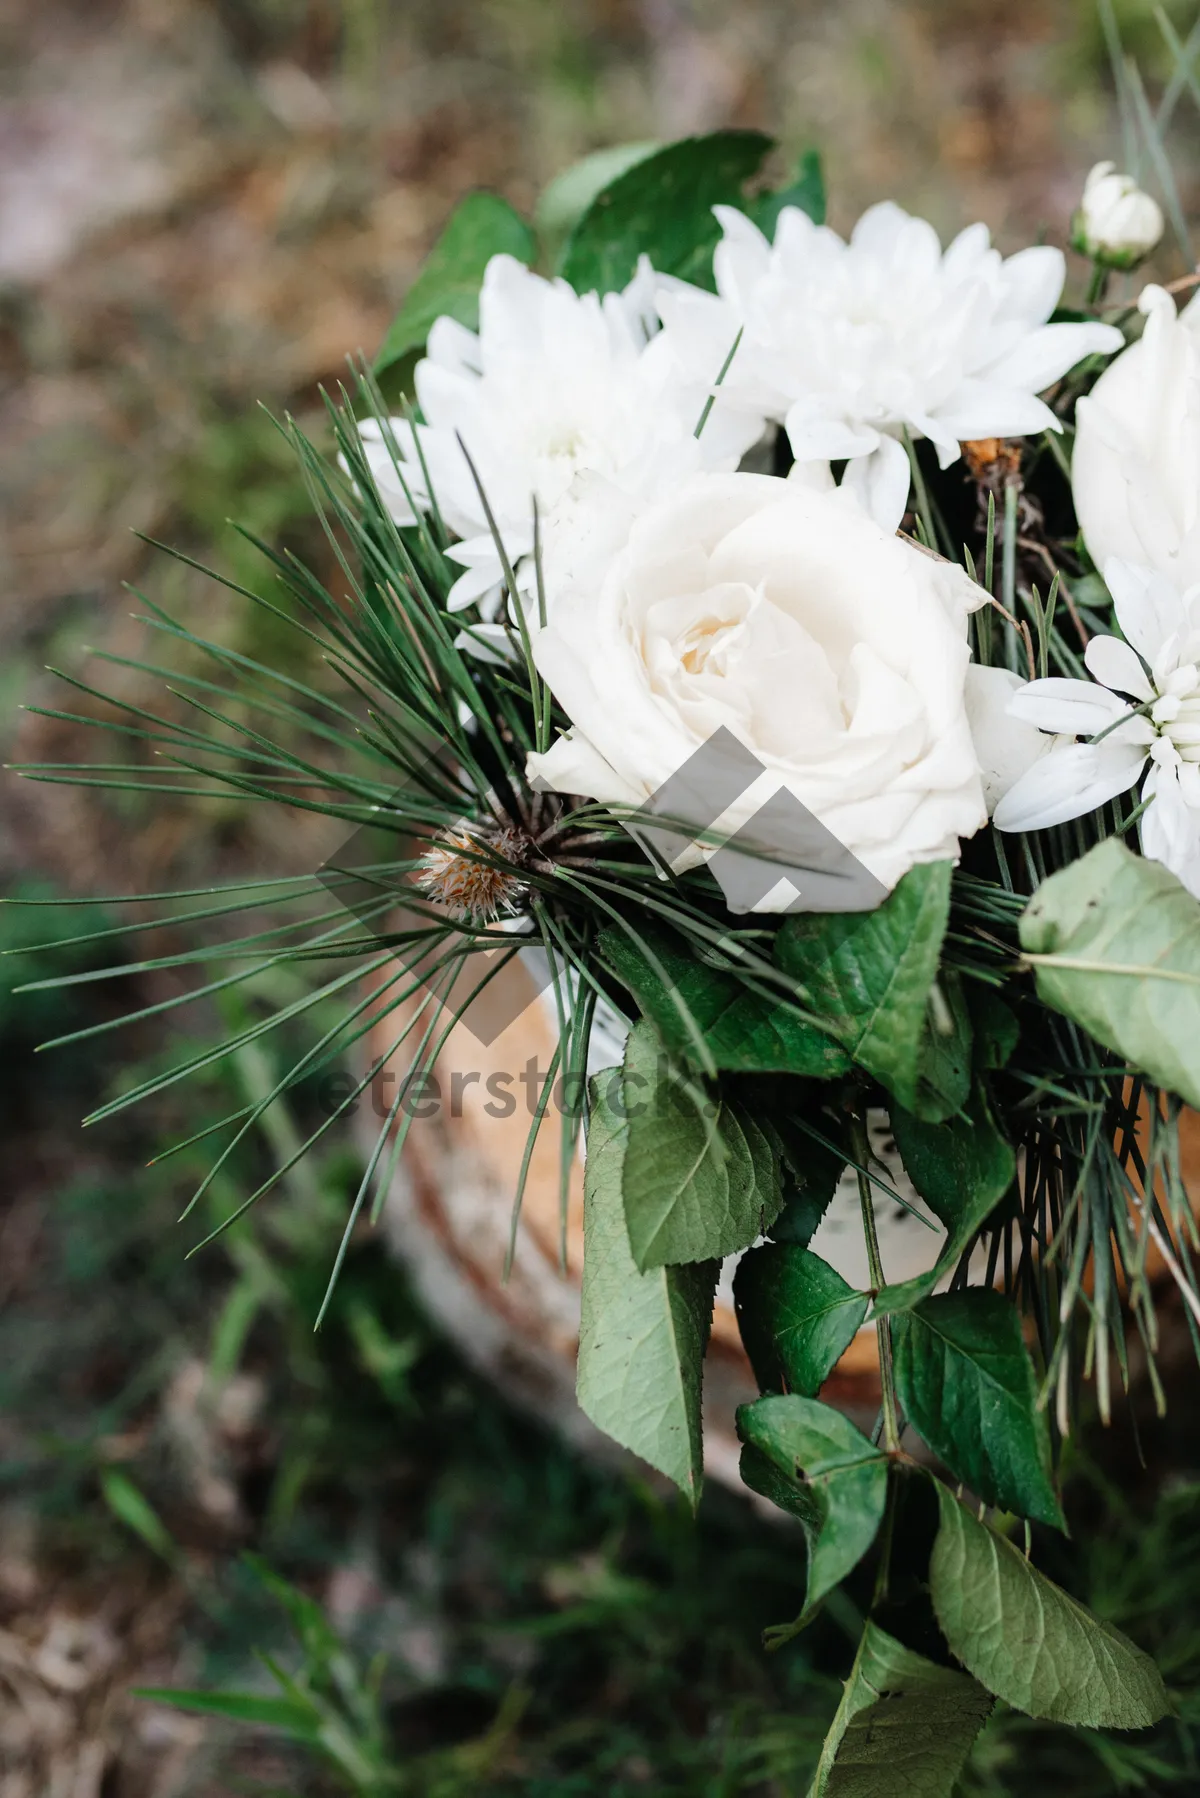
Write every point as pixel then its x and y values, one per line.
pixel 663 208
pixel 564 200
pixel 967 1386
pixel 944 1069
pixel 481 226
pixel 837 1481
pixel 1115 941
pixel 288 1714
pixel 799 1500
pixel 801 1213
pixel 806 190
pixel 642 1336
pixel 958 1162
pixel 904 1725
pixel 701 1178
pixel 996 1029
pixel 962 1169
pixel 869 975
pixel 907 1293
pixel 743 1031
pixel 797 1316
pixel 1027 1641
pixel 811 1164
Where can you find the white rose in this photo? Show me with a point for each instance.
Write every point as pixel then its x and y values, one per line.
pixel 833 651
pixel 1116 222
pixel 1135 472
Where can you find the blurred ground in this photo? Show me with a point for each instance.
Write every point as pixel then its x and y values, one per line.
pixel 205 204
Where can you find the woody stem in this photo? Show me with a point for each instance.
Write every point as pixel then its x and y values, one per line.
pixel 861 1149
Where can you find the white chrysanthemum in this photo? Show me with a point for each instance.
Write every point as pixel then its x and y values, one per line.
pixel 849 345
pixel 1145 712
pixel 554 384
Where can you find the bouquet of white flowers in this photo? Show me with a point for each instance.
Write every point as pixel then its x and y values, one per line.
pixel 790 645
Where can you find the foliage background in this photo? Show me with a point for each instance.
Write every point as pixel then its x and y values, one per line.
pixel 205 204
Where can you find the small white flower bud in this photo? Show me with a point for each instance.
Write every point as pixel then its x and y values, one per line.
pixel 1116 224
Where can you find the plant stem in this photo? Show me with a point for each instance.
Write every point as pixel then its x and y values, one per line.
pixel 883 1330
pixel 1008 561
pixel 886 1535
pixel 1096 285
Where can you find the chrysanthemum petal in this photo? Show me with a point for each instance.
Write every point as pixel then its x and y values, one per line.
pixel 880 482
pixel 1033 280
pixel 1045 355
pixel 816 439
pixel 1068 783
pixel 986 408
pixel 1114 664
pixel 1073 708
pixel 1170 826
pixel 968 252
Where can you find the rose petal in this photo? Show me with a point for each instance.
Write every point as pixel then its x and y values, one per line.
pixel 572 765
pixel 1148 608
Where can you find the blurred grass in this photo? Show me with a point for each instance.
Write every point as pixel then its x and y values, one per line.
pixel 503 1578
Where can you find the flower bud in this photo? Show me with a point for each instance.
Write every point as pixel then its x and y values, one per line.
pixel 1116 224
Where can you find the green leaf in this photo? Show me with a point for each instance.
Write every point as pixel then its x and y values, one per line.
pixel 701 1177
pixel 967 1386
pixel 481 226
pixel 797 1316
pixel 869 975
pixel 663 208
pixel 1115 942
pixel 289 1714
pixel 642 1336
pixel 962 1169
pixel 958 1162
pixel 1028 1642
pixel 761 1475
pixel 811 1166
pixel 563 201
pixel 996 1029
pixel 836 1481
pixel 944 1070
pixel 906 1293
pixel 742 1030
pixel 904 1725
pixel 805 190
pixel 800 1214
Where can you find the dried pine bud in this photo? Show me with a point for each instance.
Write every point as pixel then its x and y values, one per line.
pixel 471 874
pixel 994 461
